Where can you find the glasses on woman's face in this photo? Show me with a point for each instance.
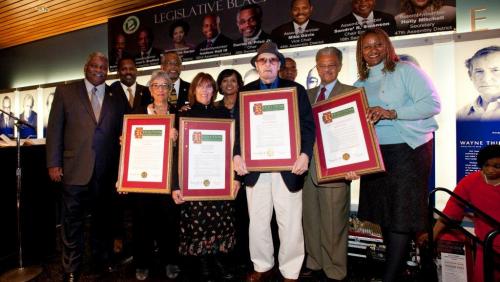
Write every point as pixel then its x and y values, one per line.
pixel 263 61
pixel 157 86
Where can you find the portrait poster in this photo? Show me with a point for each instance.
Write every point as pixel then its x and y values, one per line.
pixel 478 100
pixel 47 98
pixel 6 122
pixel 146 154
pixel 212 29
pixel 28 112
pixel 345 140
pixel 269 129
pixel 205 158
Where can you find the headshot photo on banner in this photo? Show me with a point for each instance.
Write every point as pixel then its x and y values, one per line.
pixel 210 29
pixel 477 87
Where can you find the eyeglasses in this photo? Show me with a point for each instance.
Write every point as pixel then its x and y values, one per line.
pixel 263 61
pixel 161 86
pixel 327 67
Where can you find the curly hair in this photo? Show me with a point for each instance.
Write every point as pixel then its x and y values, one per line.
pixel 390 54
pixel 408 8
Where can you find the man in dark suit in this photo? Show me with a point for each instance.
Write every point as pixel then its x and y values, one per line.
pixel 172 64
pixel 213 37
pixel 302 30
pixel 6 122
pixel 147 55
pixel 30 116
pixel 326 206
pixel 281 190
pixel 83 152
pixel 137 96
pixel 363 16
pixel 249 22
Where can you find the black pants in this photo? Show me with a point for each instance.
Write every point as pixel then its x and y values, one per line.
pixel 78 202
pixel 156 219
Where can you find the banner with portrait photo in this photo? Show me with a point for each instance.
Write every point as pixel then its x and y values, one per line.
pixel 47 98
pixel 478 100
pixel 210 29
pixel 6 122
pixel 28 112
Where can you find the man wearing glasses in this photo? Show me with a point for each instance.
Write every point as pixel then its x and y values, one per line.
pixel 172 64
pixel 326 206
pixel 280 190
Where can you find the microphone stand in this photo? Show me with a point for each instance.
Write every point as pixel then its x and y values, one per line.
pixel 21 273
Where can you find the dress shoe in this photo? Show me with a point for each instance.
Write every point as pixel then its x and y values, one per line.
pixel 172 271
pixel 224 271
pixel 141 274
pixel 255 276
pixel 70 277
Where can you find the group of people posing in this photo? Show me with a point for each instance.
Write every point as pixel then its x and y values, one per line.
pixel 83 151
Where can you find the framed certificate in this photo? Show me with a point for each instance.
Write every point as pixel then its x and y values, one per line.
pixel 205 158
pixel 345 140
pixel 146 154
pixel 269 129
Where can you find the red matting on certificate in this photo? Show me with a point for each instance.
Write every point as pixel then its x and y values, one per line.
pixel 246 98
pixel 137 121
pixel 374 162
pixel 200 193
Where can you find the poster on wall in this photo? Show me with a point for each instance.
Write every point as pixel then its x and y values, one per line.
pixel 47 98
pixel 6 122
pixel 28 113
pixel 202 29
pixel 478 100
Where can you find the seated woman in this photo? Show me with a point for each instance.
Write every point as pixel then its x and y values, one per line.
pixel 207 229
pixel 481 189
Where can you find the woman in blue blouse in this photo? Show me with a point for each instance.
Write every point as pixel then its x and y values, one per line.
pixel 402 105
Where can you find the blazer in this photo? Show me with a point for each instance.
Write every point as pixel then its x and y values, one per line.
pixel 220 41
pixel 142 97
pixel 307 133
pixel 338 89
pixel 79 143
pixel 278 34
pixel 384 18
pixel 182 97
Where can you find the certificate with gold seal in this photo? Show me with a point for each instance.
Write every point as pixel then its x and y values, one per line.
pixel 146 154
pixel 205 158
pixel 345 140
pixel 269 129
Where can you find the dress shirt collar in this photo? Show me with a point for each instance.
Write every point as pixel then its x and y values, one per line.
pixel 252 39
pixel 303 26
pixel 369 19
pixel 133 87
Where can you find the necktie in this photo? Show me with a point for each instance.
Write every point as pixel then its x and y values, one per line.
pixel 96 106
pixel 364 23
pixel 130 97
pixel 209 43
pixel 321 95
pixel 172 98
pixel 300 30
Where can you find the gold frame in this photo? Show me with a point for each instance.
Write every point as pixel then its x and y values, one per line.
pixel 163 190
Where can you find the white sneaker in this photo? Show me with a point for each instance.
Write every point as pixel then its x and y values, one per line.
pixel 172 271
pixel 141 274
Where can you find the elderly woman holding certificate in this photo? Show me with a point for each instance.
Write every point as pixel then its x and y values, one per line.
pixel 207 229
pixel 156 215
pixel 403 103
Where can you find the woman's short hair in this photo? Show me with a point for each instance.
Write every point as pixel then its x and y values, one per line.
pixel 199 79
pixel 227 73
pixel 159 74
pixel 408 8
pixel 390 54
pixel 487 153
